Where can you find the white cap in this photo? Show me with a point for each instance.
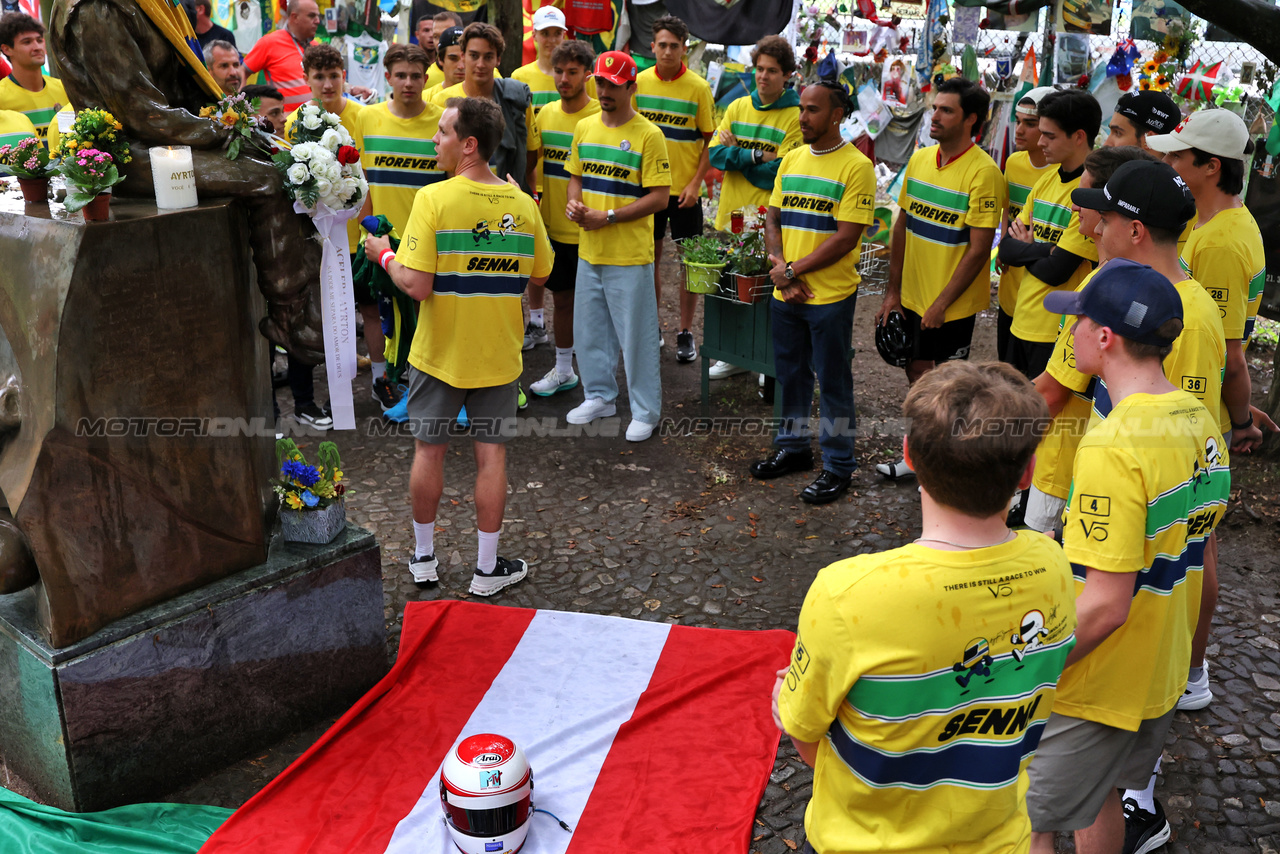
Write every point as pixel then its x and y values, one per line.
pixel 1034 96
pixel 549 16
pixel 1218 132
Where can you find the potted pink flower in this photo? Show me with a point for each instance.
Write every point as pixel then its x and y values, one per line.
pixel 90 173
pixel 28 161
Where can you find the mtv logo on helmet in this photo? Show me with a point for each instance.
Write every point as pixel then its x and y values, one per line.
pixel 490 779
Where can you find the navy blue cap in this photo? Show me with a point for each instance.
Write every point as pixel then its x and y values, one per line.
pixel 1132 299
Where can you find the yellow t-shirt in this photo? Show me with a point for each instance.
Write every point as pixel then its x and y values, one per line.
pixel 398 157
pixel 471 328
pixel 14 127
pixel 1225 255
pixel 1150 484
pixel 616 166
pixel 1057 451
pixel 555 128
pixel 685 112
pixel 435 74
pixel 350 121
pixel 1020 175
pixel 441 98
pixel 543 86
pixel 1048 213
pixel 775 130
pixel 40 107
pixel 926 677
pixel 813 194
pixel 941 206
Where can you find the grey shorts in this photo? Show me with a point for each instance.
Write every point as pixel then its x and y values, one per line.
pixel 434 405
pixel 1079 762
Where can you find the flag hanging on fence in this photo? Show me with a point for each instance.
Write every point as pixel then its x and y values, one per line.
pixel 643 737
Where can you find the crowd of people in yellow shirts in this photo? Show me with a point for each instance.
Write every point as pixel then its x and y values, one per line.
pixel 983 687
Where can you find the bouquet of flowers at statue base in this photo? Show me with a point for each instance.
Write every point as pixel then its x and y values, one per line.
pixel 311 496
pixel 239 114
pixel 89 173
pixel 323 166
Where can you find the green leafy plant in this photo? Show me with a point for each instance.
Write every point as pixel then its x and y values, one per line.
pixel 707 249
pixel 748 255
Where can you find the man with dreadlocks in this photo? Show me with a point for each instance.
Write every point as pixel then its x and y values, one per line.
pixel 821 204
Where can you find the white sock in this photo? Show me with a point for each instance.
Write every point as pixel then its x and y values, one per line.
pixel 487 556
pixel 564 361
pixel 1147 797
pixel 535 317
pixel 1196 673
pixel 424 536
pixel 379 369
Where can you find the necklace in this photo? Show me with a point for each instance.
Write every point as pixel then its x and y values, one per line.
pixel 816 152
pixel 999 542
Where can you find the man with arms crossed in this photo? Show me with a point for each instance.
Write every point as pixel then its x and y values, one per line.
pixel 951 201
pixel 466 350
pixel 1150 483
pixel 919 729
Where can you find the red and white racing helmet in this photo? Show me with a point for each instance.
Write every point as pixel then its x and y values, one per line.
pixel 486 789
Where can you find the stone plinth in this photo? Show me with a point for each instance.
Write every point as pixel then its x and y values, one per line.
pixel 173 691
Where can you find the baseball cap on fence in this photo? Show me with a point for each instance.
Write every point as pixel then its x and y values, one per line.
pixel 1150 192
pixel 1150 111
pixel 1132 299
pixel 1218 132
pixel 549 16
pixel 1029 104
pixel 449 38
pixel 616 67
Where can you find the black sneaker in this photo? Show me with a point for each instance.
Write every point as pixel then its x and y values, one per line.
pixel 423 570
pixel 1144 831
pixel 385 393
pixel 686 350
pixel 313 416
pixel 505 574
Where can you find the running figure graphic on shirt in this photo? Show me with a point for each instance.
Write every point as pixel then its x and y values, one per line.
pixel 1030 634
pixel 976 661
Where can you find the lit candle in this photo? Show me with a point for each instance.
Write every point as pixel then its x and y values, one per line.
pixel 174 177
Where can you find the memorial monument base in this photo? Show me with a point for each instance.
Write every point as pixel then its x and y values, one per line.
pixel 169 693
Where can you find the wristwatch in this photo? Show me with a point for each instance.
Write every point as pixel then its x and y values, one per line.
pixel 789 273
pixel 612 216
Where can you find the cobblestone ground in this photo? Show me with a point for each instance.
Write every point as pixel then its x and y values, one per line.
pixel 674 530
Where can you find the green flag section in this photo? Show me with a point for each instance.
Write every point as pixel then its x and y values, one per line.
pixel 137 829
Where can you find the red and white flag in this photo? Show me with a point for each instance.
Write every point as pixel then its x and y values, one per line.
pixel 643 737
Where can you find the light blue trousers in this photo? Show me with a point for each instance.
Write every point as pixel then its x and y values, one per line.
pixel 614 308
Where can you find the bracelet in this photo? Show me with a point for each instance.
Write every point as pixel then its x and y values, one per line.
pixel 1246 425
pixel 387 256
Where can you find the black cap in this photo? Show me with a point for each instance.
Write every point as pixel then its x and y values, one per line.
pixel 450 37
pixel 1145 190
pixel 1132 299
pixel 1150 111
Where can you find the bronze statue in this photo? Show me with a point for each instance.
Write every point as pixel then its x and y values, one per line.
pixel 112 56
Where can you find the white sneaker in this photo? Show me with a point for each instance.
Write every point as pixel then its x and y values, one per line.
pixel 589 410
pixel 1197 694
pixel 638 431
pixel 554 382
pixel 505 573
pixel 722 369
pixel 893 471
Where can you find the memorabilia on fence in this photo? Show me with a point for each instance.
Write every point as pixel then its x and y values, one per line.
pixel 1092 17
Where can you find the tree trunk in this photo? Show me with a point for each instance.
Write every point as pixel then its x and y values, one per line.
pixel 508 16
pixel 1257 22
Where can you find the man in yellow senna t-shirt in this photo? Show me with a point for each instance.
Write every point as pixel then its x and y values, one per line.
pixel 823 201
pixel 920 729
pixel 1045 239
pixel 27 89
pixel 951 200
pixel 619 177
pixel 1068 392
pixel 471 244
pixel 1022 170
pixel 1150 483
pixel 1141 220
pixel 756 131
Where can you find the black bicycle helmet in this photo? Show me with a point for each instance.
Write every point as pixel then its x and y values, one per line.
pixel 893 342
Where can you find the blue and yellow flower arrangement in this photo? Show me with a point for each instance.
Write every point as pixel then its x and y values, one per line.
pixel 302 486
